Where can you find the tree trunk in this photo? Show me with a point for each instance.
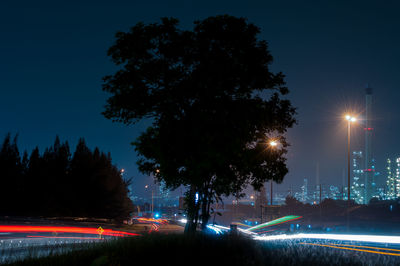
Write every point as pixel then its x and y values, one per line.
pixel 205 211
pixel 192 212
pixel 204 214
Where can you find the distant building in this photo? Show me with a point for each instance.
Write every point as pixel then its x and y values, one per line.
pixel 304 188
pixel 391 190
pixel 334 193
pixel 397 181
pixel 317 195
pixel 358 186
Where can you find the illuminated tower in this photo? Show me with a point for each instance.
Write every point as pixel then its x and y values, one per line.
pixel 357 186
pixel 397 179
pixel 304 188
pixel 369 167
pixel 390 181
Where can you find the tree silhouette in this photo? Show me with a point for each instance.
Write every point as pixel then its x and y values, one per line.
pixel 212 100
pixel 56 184
pixel 11 176
pixel 34 184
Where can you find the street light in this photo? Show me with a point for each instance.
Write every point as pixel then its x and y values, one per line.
pixel 272 144
pixel 350 119
pixel 152 198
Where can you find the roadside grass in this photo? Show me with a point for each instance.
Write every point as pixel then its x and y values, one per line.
pixel 157 249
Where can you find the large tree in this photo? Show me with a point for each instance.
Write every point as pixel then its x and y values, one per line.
pixel 213 103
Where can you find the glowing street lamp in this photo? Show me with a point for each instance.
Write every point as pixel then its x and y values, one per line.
pixel 273 143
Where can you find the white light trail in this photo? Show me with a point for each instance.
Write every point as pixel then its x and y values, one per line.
pixel 221 227
pixel 360 238
pixel 246 232
pixel 215 229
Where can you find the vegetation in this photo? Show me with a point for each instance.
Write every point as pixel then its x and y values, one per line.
pixel 208 250
pixel 213 103
pixel 55 183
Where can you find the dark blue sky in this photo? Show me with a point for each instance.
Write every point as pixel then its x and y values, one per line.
pixel 53 56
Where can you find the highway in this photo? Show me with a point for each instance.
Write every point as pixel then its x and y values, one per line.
pixel 19 241
pixel 33 238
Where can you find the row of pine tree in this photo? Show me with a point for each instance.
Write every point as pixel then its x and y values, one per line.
pixel 58 183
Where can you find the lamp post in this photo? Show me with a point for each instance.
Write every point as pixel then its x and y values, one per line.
pixel 152 199
pixel 272 144
pixel 350 119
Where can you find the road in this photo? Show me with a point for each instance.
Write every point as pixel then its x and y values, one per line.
pixel 21 240
pixel 39 237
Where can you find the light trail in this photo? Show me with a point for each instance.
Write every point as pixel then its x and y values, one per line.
pixel 221 227
pixel 154 227
pixel 61 229
pixel 67 237
pixel 240 224
pixel 354 249
pixel 339 237
pixel 151 220
pixel 281 220
pixel 381 248
pixel 214 228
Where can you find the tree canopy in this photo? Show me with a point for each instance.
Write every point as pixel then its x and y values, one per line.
pixel 55 183
pixel 213 103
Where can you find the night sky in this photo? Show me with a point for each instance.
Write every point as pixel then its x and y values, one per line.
pixel 53 57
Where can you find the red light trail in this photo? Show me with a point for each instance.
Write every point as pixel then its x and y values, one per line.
pixel 62 229
pixel 66 237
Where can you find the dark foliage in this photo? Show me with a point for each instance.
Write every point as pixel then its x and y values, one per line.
pixel 213 102
pixel 58 184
